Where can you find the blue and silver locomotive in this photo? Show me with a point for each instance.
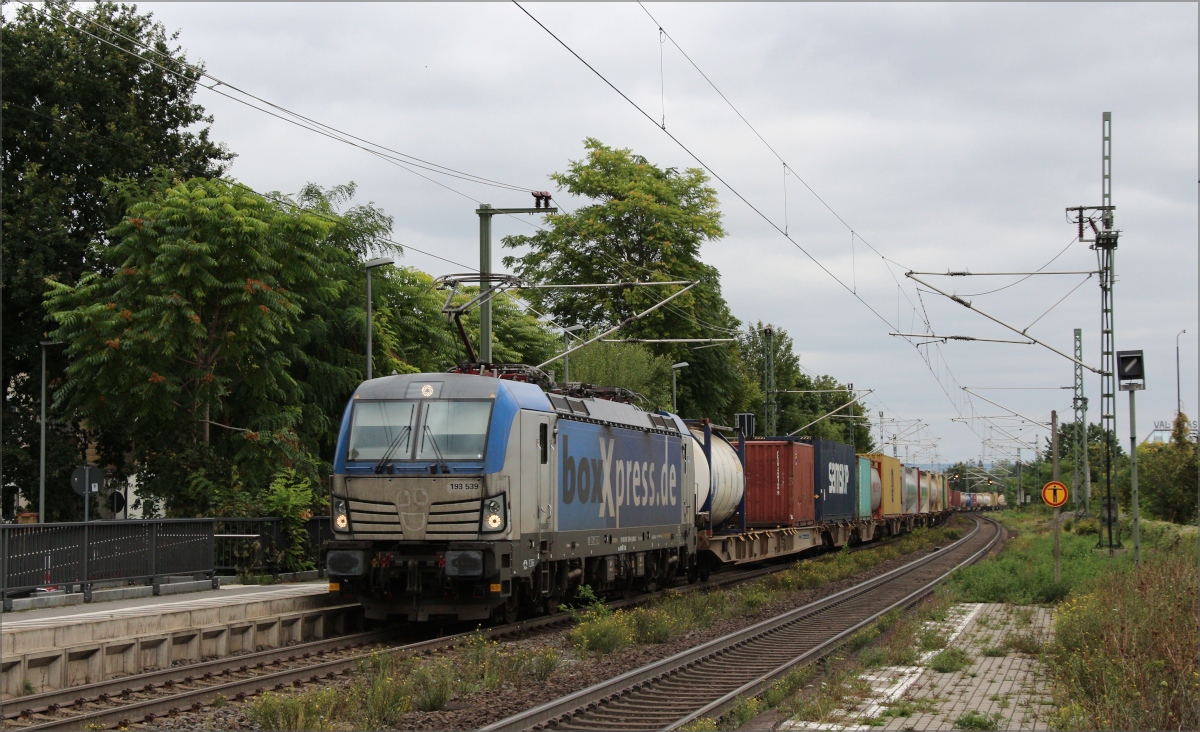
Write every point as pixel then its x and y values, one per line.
pixel 465 496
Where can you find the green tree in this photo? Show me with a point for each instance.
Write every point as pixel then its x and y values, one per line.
pixel 793 409
pixel 1167 475
pixel 78 109
pixel 187 349
pixel 644 223
pixel 628 365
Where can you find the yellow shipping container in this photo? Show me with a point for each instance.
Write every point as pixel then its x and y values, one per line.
pixel 892 477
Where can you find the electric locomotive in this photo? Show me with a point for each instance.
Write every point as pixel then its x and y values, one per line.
pixel 463 496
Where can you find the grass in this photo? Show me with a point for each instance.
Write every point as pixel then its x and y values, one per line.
pixel 601 631
pixel 978 721
pixel 1124 655
pixel 1024 643
pixel 389 686
pixel 950 661
pixel 994 651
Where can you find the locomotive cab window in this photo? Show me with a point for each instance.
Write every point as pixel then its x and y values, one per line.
pixel 455 429
pixel 380 426
pixel 403 430
pixel 544 441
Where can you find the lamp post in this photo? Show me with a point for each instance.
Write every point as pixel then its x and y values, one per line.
pixel 675 370
pixel 42 457
pixel 1178 398
pixel 381 261
pixel 566 347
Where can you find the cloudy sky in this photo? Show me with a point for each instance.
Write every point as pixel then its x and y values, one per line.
pixel 946 136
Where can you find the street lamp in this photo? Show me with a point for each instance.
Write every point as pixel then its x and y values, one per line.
pixel 675 370
pixel 566 347
pixel 1178 399
pixel 371 265
pixel 42 458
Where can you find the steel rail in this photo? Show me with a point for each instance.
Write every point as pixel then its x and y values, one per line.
pixel 50 701
pixel 757 686
pixel 635 681
pixel 208 675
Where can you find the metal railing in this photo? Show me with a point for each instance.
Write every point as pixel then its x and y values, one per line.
pixel 80 555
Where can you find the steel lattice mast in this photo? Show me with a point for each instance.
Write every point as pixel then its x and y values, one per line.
pixel 770 416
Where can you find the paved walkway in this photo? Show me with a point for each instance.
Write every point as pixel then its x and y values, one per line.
pixel 1001 688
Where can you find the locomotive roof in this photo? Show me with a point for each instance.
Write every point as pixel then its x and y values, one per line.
pixel 528 396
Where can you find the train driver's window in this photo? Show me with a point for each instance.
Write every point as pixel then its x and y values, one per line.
pixel 544 441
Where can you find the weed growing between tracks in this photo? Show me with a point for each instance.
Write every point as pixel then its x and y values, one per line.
pixel 388 687
pixel 600 630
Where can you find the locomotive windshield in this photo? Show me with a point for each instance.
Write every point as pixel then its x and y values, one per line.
pixel 412 430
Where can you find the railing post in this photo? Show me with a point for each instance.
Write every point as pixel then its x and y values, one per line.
pixel 154 580
pixel 5 537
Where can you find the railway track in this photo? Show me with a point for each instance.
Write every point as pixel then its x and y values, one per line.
pixel 145 697
pixel 703 681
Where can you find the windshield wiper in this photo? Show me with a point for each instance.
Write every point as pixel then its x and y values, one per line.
pixel 391 448
pixel 441 461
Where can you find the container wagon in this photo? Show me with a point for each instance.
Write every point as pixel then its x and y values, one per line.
pixel 912 491
pixel 891 476
pixel 779 484
pixel 835 480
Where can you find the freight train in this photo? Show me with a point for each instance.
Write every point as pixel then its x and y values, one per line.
pixel 475 496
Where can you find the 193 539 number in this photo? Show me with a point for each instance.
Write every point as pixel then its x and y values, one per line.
pixel 464 486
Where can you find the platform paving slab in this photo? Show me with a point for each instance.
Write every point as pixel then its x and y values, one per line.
pixel 1011 689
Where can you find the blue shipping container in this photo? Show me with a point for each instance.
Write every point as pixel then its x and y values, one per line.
pixel 835 468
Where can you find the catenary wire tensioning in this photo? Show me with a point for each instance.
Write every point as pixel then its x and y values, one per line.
pixel 1039 269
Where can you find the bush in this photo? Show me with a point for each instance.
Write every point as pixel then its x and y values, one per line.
pixel 653 625
pixel 602 634
pixel 994 651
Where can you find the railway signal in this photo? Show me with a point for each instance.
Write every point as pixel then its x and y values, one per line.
pixel 1054 494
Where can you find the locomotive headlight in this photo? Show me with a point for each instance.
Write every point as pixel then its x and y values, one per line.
pixel 341 520
pixel 493 514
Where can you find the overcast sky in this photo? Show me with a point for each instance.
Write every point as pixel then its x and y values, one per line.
pixel 947 136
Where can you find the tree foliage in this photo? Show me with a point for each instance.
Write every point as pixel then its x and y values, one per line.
pixel 795 410
pixel 628 365
pixel 82 105
pixel 187 349
pixel 644 223
pixel 1167 476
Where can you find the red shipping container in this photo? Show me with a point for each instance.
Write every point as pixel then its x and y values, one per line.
pixel 779 484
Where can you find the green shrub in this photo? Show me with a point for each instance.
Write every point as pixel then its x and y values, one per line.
pixel 950 661
pixel 653 625
pixel 602 634
pixel 743 711
pixel 994 651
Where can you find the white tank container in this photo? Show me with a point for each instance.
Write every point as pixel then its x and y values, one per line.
pixel 724 476
pixel 876 490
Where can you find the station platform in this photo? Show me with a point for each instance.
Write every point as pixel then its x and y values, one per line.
pixel 59 647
